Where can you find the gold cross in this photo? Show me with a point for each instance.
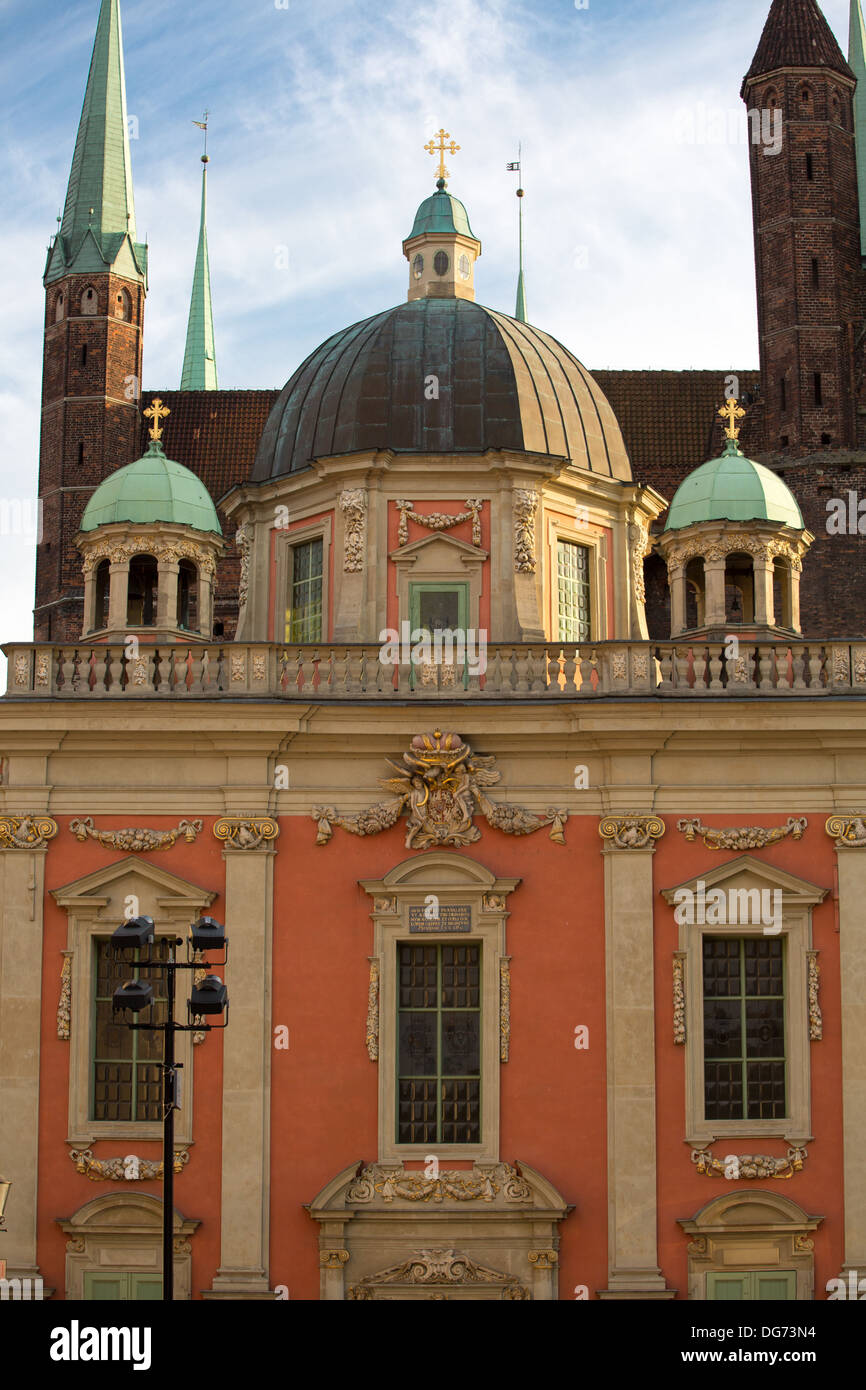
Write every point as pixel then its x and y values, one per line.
pixel 732 412
pixel 442 149
pixel 157 413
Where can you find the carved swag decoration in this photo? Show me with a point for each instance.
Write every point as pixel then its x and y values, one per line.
pixel 439 1270
pixel 743 836
pixel 442 785
pixel 750 1166
pixel 131 1168
pixel 134 839
pixel 483 1184
pixel 439 521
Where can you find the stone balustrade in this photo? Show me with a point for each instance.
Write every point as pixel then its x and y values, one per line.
pixel 513 671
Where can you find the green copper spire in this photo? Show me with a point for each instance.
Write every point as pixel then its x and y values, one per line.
pixel 520 306
pixel 857 60
pixel 97 232
pixel 199 362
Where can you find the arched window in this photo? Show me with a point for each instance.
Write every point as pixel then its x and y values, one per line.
pixel 58 307
pixel 771 99
pixel 123 306
pixel 440 262
pixel 739 589
pixel 143 582
pixel 89 301
pixel 187 596
pixel 103 580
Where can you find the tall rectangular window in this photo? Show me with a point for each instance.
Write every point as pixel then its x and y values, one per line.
pixel 127 1064
pixel 783 393
pixel 572 578
pixel 304 616
pixel 439 1044
pixel 819 394
pixel 744 1028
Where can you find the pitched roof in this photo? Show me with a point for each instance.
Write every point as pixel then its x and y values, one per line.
pixel 796 35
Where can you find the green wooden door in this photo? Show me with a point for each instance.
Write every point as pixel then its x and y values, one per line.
pixel 770 1286
pixel 439 608
pixel 126 1287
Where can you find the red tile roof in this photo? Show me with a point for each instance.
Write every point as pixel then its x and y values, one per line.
pixel 796 35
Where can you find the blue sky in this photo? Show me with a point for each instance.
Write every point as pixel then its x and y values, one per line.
pixel 639 245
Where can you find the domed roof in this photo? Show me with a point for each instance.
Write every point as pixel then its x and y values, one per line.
pixel 441 212
pixel 501 384
pixel 733 488
pixel 154 488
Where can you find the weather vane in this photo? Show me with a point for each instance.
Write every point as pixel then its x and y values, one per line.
pixel 732 412
pixel 442 149
pixel 202 125
pixel 157 412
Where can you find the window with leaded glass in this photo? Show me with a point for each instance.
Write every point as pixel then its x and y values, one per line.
pixel 304 617
pixel 572 579
pixel 439 1044
pixel 744 1028
pixel 127 1063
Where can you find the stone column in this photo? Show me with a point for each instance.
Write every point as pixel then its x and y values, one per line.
pixel 89 601
pixel 762 569
pixel 714 588
pixel 633 1269
pixel 794 582
pixel 246 1156
pixel 22 872
pixel 205 602
pixel 166 594
pixel 851 859
pixel 677 584
pixel 118 595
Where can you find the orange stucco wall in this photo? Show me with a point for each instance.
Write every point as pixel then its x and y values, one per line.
pixel 461 532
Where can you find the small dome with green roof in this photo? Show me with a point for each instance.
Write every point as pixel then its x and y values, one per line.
pixel 152 489
pixel 733 488
pixel 441 213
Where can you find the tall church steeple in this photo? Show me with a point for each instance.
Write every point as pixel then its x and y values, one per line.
pixel 857 62
pixel 95 283
pixel 98 227
pixel 199 362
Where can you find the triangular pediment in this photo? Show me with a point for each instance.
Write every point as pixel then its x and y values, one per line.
pixel 102 893
pixel 438 547
pixel 748 872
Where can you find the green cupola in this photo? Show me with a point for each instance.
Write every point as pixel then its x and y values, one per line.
pixel 153 489
pixel 441 212
pixel 441 248
pixel 733 488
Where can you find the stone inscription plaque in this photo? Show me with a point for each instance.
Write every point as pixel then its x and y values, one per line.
pixel 451 917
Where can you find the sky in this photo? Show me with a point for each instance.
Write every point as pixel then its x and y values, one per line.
pixel 638 227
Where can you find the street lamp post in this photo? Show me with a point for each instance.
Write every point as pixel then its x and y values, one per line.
pixel 207 998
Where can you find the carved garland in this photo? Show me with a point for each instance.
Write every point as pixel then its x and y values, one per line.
pixel 679 998
pixel 632 831
pixel 439 521
pixel 64 1004
pixel 719 547
pixel 134 839
pixel 353 502
pixel 442 1269
pixel 816 1020
pixel 483 1184
pixel 742 837
pixel 119 553
pixel 750 1166
pixel 638 534
pixel 372 1038
pixel 130 1168
pixel 525 507
pixel 246 832
pixel 26 832
pixel 504 1007
pixel 244 543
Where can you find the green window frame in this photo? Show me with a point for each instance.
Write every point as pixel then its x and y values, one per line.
pixel 304 615
pixel 439 1043
pixel 122 1287
pixel 126 1064
pixel 776 1285
pixel 574 604
pixel 745 1028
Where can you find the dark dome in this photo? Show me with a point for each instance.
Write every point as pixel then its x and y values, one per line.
pixel 502 385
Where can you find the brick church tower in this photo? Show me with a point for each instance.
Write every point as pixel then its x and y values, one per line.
pixel 807 232
pixel 95 283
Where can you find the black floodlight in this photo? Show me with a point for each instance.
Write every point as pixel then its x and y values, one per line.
pixel 135 995
pixel 209 997
pixel 207 934
pixel 136 932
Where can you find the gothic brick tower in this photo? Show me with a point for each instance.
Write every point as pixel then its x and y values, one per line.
pixel 95 283
pixel 807 232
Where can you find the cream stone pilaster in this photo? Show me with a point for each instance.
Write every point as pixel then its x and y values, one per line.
pixel 118 594
pixel 762 568
pixel 851 860
pixel 677 582
pixel 633 1268
pixel 89 601
pixel 714 581
pixel 166 594
pixel 794 582
pixel 245 1186
pixel 22 874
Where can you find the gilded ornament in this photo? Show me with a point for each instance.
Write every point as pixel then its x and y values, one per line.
pixel 849 830
pixel 26 832
pixel 156 413
pixel 246 832
pixel 543 1259
pixel 442 148
pixel 750 1166
pixel 64 1004
pixel 484 1183
pixel 744 836
pixel 131 1168
pixel 333 1259
pixel 134 839
pixel 634 831
pixel 441 785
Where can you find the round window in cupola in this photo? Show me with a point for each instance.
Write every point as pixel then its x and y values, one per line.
pixel 441 263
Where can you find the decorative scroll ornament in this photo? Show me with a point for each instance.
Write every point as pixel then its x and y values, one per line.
pixel 638 534
pixel 439 1269
pixel 169 549
pixel 679 998
pixel 744 836
pixel 749 1166
pixel 816 1020
pixel 129 1169
pixel 848 830
pixel 64 1004
pixel 353 501
pixel 525 506
pixel 632 831
pixel 542 1259
pixel 372 1038
pixel 442 786
pixel 504 1007
pixel 439 521
pixel 134 839
pixel 333 1259
pixel 26 832
pixel 483 1183
pixel 244 543
pixel 246 832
